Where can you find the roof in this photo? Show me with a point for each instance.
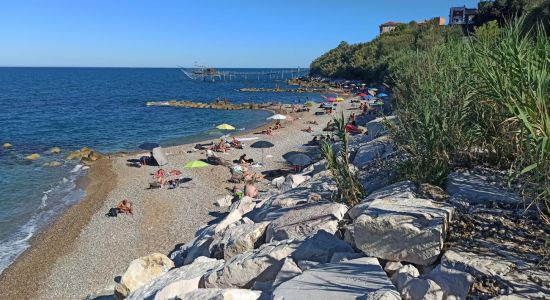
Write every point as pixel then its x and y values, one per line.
pixel 391 23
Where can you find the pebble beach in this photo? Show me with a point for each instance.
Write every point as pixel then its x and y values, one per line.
pixel 84 251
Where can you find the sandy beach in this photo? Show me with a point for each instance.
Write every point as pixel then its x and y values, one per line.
pixel 83 251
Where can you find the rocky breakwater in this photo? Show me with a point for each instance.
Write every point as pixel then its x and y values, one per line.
pixel 403 241
pixel 85 155
pixel 214 105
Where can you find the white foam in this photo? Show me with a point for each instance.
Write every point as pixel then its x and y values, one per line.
pixel 76 168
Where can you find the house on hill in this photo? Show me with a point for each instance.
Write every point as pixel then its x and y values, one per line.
pixel 462 16
pixel 389 26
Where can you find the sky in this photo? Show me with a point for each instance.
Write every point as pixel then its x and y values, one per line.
pixel 171 33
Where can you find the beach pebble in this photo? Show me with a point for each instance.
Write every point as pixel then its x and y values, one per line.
pixel 33 156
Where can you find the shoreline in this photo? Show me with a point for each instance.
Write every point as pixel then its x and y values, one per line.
pixel 59 238
pixel 98 182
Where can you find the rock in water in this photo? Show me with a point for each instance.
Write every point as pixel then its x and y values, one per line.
pixel 7 146
pixel 403 229
pixel 33 156
pixel 177 281
pixel 141 271
pixel 351 279
pixel 74 155
pixel 54 150
pixel 53 164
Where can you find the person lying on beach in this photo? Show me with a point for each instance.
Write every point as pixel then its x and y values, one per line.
pixel 352 128
pixel 235 143
pixel 125 207
pixel 277 125
pixel 250 190
pixel 308 129
pixel 159 174
pixel 244 161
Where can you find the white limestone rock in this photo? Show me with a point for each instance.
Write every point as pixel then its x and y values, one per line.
pixel 141 271
pixel 224 201
pixel 298 222
pixel 403 229
pixel 346 280
pixel 376 149
pixel 220 294
pixel 177 281
pixel 238 239
pixel 477 189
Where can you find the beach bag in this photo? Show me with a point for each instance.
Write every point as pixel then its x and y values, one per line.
pixel 112 212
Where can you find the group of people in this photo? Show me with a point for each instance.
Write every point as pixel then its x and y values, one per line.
pixel 223 145
pixel 167 178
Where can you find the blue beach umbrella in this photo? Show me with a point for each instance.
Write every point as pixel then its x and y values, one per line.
pixel 382 95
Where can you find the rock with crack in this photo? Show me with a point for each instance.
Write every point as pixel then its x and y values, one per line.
pixel 345 280
pixel 220 294
pixel 298 222
pixel 238 239
pixel 177 281
pixel 477 265
pixel 477 189
pixel 263 264
pixel 403 229
pixel 288 271
pixel 141 271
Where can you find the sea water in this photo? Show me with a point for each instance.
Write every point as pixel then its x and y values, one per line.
pixel 101 108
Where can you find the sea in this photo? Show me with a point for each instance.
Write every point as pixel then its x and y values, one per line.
pixel 104 109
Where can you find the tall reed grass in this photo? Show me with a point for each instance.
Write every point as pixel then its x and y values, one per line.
pixel 478 100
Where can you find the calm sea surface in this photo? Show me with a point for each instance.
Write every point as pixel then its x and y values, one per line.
pixel 102 108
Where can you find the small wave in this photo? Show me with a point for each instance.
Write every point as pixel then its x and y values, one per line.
pixel 76 168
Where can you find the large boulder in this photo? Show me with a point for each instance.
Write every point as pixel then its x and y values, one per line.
pixel 263 264
pixel 220 294
pixel 475 264
pixel 403 229
pixel 455 284
pixel 346 280
pixel 224 201
pixel 298 222
pixel 477 189
pixel 379 148
pixel 238 239
pixel 177 281
pixel 33 156
pixel 141 271
pixel 243 270
pixel 402 189
pixel 288 271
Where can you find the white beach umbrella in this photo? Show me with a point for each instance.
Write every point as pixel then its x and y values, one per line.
pixel 277 117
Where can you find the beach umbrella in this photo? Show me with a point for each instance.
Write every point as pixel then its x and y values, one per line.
pixel 361 94
pixel 277 117
pixel 339 99
pixel 148 146
pixel 331 99
pixel 299 159
pixel 310 103
pixel 382 95
pixel 195 164
pixel 373 89
pixel 225 127
pixel 262 145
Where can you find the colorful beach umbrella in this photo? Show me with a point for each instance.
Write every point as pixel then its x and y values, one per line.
pixel 195 164
pixel 361 94
pixel 339 99
pixel 382 95
pixel 331 99
pixel 225 127
pixel 277 117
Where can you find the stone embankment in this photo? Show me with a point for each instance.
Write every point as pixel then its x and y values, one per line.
pixel 403 241
pixel 214 105
pixel 279 90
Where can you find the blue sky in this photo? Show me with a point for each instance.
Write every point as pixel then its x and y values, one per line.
pixel 224 33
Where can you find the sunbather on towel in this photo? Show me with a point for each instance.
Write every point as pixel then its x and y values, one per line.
pixel 125 207
pixel 250 190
